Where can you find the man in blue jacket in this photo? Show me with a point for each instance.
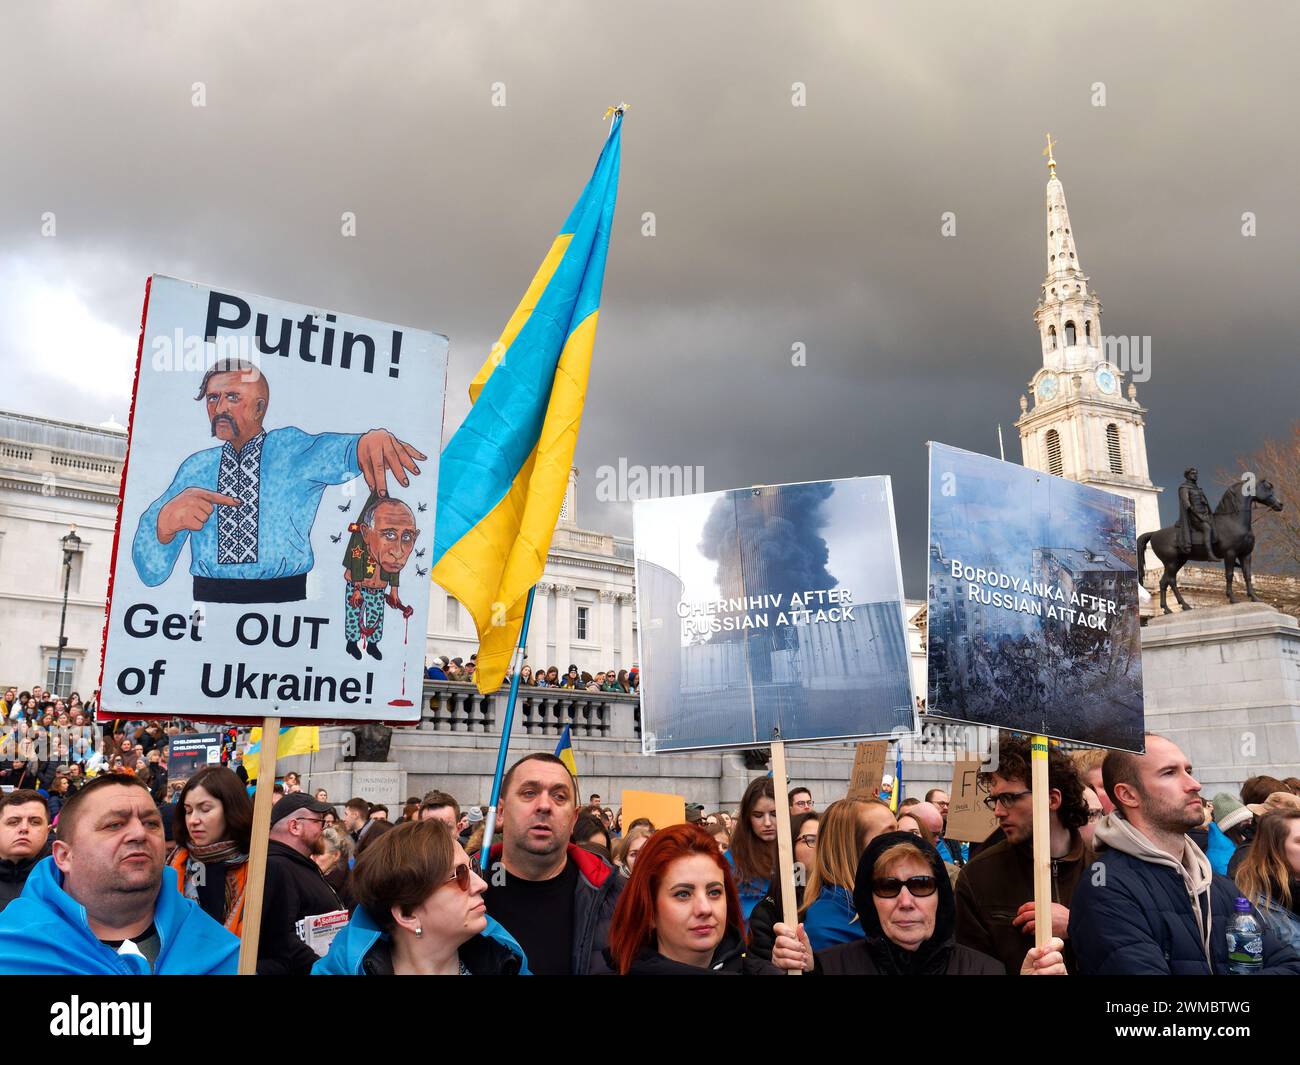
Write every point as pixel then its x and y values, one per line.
pixel 104 903
pixel 1150 903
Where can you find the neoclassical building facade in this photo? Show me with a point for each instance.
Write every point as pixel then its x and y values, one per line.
pixel 55 476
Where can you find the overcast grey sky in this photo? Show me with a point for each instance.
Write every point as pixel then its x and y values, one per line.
pixel 775 224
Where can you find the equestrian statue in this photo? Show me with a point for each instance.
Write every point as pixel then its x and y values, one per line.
pixel 1204 536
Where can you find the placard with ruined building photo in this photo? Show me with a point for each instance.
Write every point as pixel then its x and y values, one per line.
pixel 1033 602
pixel 766 608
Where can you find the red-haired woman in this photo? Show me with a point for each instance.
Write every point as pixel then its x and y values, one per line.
pixel 679 913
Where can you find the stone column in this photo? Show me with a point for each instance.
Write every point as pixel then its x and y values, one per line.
pixel 606 639
pixel 626 646
pixel 538 640
pixel 563 624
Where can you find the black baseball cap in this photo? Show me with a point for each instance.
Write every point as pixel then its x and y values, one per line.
pixel 298 800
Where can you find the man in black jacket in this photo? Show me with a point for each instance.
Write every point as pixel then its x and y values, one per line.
pixel 24 839
pixel 555 898
pixel 1151 905
pixel 995 892
pixel 295 890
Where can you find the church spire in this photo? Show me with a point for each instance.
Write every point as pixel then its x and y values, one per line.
pixel 1079 425
pixel 1062 255
pixel 1068 312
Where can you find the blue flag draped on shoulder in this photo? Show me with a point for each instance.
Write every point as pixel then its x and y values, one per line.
pixel 503 475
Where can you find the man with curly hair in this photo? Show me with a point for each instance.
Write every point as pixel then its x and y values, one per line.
pixel 995 892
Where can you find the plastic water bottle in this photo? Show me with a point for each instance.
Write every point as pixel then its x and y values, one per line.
pixel 1245 941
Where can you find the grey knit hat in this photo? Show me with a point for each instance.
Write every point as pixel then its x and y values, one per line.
pixel 1228 812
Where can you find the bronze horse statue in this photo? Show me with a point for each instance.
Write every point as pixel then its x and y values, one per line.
pixel 1232 536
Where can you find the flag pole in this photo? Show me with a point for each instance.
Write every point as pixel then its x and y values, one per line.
pixel 489 824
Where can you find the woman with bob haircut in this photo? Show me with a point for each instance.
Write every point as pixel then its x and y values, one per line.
pixel 420 912
pixel 905 902
pixel 211 832
pixel 680 914
pixel 627 848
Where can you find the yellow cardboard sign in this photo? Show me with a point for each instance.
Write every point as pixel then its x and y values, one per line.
pixel 662 810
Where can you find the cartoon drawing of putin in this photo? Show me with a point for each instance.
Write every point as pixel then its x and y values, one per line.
pixel 381 542
pixel 247 507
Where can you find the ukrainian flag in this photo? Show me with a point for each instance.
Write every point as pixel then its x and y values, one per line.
pixel 897 795
pixel 564 752
pixel 299 739
pixel 503 475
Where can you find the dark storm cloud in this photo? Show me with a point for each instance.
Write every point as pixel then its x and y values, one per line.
pixel 776 225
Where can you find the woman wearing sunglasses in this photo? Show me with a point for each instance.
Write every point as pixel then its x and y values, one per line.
pixel 905 902
pixel 420 913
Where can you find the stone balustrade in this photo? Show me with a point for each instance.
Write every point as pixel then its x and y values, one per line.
pixel 451 706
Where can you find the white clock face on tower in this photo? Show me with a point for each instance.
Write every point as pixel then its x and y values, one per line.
pixel 1047 388
pixel 1106 380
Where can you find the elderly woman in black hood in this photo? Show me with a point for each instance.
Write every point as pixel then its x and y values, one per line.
pixel 905 902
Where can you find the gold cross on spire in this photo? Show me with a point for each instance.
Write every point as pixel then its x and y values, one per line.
pixel 1051 162
pixel 618 110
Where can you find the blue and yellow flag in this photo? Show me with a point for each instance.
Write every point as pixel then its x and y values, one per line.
pixel 564 752
pixel 503 475
pixel 897 796
pixel 299 739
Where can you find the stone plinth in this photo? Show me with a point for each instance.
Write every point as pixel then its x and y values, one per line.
pixel 1224 684
pixel 380 782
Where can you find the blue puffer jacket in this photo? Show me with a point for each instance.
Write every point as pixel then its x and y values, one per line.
pixel 1219 849
pixel 1131 913
pixel 44 932
pixel 832 919
pixel 493 952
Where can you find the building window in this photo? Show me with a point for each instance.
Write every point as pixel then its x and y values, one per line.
pixel 583 614
pixel 1051 338
pixel 63 683
pixel 453 614
pixel 1087 331
pixel 1054 465
pixel 71 573
pixel 1070 339
pixel 1112 445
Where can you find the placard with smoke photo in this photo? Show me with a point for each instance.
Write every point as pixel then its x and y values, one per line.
pixel 769 613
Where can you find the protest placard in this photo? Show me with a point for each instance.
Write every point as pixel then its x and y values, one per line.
pixel 1033 603
pixel 773 612
pixel 868 769
pixel 968 818
pixel 186 755
pixel 276 513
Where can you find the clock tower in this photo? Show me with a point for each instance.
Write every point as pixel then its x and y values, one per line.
pixel 1082 422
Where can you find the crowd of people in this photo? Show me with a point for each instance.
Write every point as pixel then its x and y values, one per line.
pixel 621 681
pixel 1146 877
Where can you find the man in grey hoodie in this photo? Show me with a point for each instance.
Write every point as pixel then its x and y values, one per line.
pixel 1150 904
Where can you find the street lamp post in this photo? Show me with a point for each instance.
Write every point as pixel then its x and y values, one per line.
pixel 71 545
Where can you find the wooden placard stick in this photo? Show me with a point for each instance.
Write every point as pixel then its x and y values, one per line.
pixel 262 803
pixel 784 842
pixel 1042 842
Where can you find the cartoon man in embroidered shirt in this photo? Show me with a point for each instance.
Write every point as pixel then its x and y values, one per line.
pixel 247 507
pixel 381 542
